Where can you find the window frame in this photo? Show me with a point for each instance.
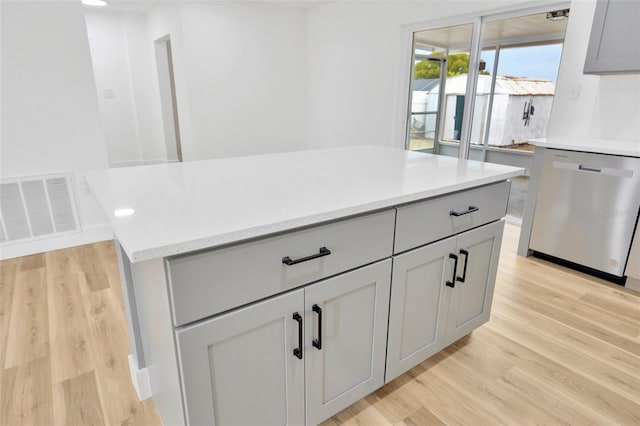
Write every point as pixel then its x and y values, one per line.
pixel 478 20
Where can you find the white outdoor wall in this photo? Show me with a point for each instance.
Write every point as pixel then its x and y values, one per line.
pixel 50 118
pixel 538 122
pixel 123 65
pixel 607 106
pixel 241 76
pixel 448 129
pixel 355 54
pixel 479 118
pixel 499 119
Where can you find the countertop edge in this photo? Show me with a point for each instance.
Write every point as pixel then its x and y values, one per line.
pixel 624 148
pixel 211 242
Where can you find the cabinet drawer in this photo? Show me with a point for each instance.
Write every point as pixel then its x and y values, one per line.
pixel 207 283
pixel 420 223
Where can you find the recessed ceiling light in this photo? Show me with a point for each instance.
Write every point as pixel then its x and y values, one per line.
pixel 94 2
pixel 124 212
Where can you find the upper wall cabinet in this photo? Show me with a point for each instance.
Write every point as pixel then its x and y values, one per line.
pixel 614 46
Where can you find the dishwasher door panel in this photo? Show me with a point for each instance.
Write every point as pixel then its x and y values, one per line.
pixel 587 208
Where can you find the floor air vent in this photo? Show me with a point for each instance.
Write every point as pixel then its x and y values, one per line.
pixel 35 207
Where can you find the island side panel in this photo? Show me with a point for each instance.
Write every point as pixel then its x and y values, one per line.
pixel 129 299
pixel 158 339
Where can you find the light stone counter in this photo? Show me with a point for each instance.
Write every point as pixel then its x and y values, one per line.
pixel 163 210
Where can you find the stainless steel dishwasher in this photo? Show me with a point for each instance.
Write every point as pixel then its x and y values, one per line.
pixel 587 209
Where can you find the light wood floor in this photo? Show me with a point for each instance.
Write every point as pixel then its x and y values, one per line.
pixel 561 348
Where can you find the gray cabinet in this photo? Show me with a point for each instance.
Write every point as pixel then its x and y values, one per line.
pixel 470 304
pixel 239 368
pixel 440 293
pixel 419 305
pixel 352 338
pixel 426 221
pixel 333 333
pixel 614 45
pixel 214 281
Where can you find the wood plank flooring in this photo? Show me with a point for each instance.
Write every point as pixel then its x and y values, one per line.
pixel 561 348
pixel 63 342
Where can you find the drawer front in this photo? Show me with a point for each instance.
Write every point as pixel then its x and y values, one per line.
pixel 421 223
pixel 211 282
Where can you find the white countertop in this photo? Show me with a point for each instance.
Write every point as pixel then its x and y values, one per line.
pixel 599 146
pixel 180 207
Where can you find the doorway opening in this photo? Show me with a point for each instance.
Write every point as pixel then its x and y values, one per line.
pixel 169 104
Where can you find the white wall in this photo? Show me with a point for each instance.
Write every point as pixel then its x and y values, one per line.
pixel 113 82
pixel 514 124
pixel 606 106
pixel 50 118
pixel 127 89
pixel 240 72
pixel 355 55
pixel 241 76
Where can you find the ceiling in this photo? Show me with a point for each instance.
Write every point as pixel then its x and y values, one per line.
pixel 125 6
pixel 143 6
pixel 506 31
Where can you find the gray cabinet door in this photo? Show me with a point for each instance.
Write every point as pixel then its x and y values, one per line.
pixel 470 304
pixel 418 308
pixel 614 45
pixel 353 309
pixel 240 369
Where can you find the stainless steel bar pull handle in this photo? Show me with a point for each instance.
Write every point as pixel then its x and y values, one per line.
pixel 471 209
pixel 589 169
pixel 322 252
pixel 298 351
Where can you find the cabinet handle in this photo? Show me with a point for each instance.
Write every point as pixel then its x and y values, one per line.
pixel 298 351
pixel 471 209
pixel 589 169
pixel 322 252
pixel 464 270
pixel 318 342
pixel 452 283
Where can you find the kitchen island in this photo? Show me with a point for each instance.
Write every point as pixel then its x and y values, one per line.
pixel 260 290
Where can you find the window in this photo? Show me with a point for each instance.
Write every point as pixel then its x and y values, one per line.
pixel 486 113
pixel 508 98
pixel 514 90
pixel 439 55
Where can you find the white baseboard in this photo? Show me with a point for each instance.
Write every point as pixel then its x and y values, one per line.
pixel 87 236
pixel 513 220
pixel 140 379
pixel 130 163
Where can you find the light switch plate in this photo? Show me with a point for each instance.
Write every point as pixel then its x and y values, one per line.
pixel 574 92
